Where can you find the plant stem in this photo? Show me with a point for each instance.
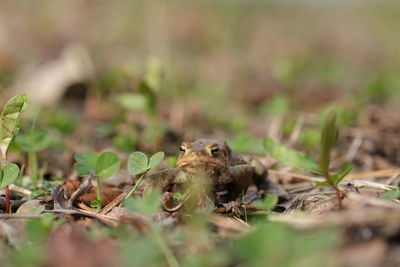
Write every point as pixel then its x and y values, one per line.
pixel 136 185
pixel 33 166
pixel 169 256
pixel 6 189
pixel 8 199
pixel 98 193
pixel 336 188
pixel 32 158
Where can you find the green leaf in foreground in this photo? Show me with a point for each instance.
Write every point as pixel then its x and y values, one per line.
pixel 289 157
pixel 147 205
pixel 155 159
pixel 8 174
pixel 9 119
pixel 268 203
pixel 137 163
pixel 338 177
pixel 107 165
pixel 279 245
pixel 39 229
pixel 329 136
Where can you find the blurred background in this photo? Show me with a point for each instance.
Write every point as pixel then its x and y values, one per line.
pixel 148 74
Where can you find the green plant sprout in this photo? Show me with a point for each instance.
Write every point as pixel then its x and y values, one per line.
pixel 295 159
pixel 266 205
pixel 32 143
pixel 274 244
pixel 99 166
pixel 9 128
pixel 146 100
pixel 149 205
pixel 138 163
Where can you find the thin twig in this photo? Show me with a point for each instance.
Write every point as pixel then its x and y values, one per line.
pixel 108 220
pixel 316 179
pixel 20 216
pixel 392 178
pixel 115 202
pixel 373 174
pixel 83 188
pixel 233 224
pixel 20 190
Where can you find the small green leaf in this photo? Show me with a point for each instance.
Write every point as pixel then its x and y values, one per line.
pixel 107 165
pixel 268 203
pixel 154 73
pixel 147 205
pixel 131 101
pixel 279 105
pixel 40 141
pixel 137 163
pixel 391 195
pixel 149 94
pixel 86 163
pixel 9 173
pixel 96 204
pixel 178 197
pixel 155 159
pixel 289 157
pixel 338 177
pixel 39 229
pixel 34 142
pixel 322 184
pixel 9 120
pixel 329 136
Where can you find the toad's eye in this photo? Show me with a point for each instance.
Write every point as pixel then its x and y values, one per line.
pixel 214 150
pixel 182 149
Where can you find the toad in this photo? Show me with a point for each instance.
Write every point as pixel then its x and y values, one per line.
pixel 212 158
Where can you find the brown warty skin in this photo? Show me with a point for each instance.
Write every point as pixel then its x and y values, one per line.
pixel 211 158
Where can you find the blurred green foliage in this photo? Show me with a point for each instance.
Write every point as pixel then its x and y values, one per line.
pixel 277 245
pixel 223 67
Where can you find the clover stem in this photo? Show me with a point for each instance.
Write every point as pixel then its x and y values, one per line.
pixel 98 191
pixel 32 158
pixel 6 189
pixel 33 166
pixel 136 185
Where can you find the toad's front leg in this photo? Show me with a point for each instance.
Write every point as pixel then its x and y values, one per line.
pixel 260 172
pixel 163 179
pixel 242 178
